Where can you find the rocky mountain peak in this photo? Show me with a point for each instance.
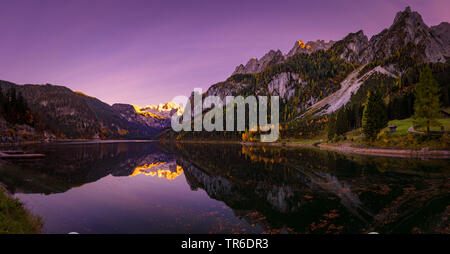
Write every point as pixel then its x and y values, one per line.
pixel 353 48
pixel 309 47
pixel 409 24
pixel 165 110
pixel 152 116
pixel 407 28
pixel 408 17
pixel 255 66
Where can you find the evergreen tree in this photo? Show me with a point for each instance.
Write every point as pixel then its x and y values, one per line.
pixel 341 122
pixel 374 115
pixel 338 123
pixel 14 108
pixel 331 126
pixel 426 104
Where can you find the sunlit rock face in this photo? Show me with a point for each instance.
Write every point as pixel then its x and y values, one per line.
pixel 153 116
pixel 162 110
pixel 309 47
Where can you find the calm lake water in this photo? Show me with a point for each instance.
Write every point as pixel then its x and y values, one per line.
pixel 193 188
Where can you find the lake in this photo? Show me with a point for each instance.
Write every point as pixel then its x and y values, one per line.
pixel 147 187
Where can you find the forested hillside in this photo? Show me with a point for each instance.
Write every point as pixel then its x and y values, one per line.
pixel 315 87
pixel 49 111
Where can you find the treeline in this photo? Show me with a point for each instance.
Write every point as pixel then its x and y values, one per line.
pixel 440 72
pixel 393 100
pixel 347 118
pixel 404 58
pixel 321 70
pixel 422 102
pixel 318 67
pixel 14 108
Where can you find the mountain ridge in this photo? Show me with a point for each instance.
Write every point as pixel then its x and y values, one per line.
pixel 69 114
pixel 408 34
pixel 314 85
pixel 255 65
pixel 313 79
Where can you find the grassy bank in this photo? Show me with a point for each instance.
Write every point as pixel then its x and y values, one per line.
pixel 401 138
pixel 14 218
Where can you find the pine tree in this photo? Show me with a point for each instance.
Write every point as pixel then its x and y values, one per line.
pixel 331 127
pixel 341 122
pixel 374 115
pixel 426 104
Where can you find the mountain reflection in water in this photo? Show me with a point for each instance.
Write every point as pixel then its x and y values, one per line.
pixel 228 189
pixel 166 170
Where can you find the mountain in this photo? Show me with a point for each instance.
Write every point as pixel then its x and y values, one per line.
pixel 151 116
pixel 255 66
pixel 162 110
pixel 319 77
pixel 68 114
pixel 392 53
pixel 316 79
pixel 60 171
pixel 352 48
pixel 313 81
pixel 408 28
pixel 309 47
pixel 276 57
pixel 443 32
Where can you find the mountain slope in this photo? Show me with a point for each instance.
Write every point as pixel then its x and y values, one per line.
pixel 407 28
pixel 407 43
pixel 349 86
pixel 321 79
pixel 71 114
pixel 309 47
pixel 154 117
pixel 255 65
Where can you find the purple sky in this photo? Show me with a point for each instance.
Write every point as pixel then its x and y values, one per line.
pixel 147 52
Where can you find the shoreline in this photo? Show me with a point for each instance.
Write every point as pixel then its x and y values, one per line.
pixel 23 221
pixel 345 148
pixel 78 141
pixel 388 152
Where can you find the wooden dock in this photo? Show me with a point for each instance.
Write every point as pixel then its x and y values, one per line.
pixel 19 155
